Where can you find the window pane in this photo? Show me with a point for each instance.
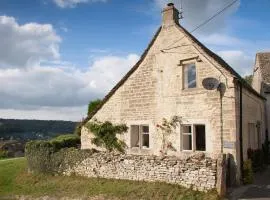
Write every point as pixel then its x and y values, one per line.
pixel 190 76
pixel 145 129
pixel 200 137
pixel 145 140
pixel 187 129
pixel 135 139
pixel 187 142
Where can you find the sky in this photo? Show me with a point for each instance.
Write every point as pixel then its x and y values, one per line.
pixel 57 55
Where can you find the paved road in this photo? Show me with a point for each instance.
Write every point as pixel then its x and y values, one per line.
pixel 260 190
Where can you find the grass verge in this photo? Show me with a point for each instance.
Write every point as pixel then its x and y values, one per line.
pixel 14 180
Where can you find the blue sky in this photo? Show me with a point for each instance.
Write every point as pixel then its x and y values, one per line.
pixel 57 55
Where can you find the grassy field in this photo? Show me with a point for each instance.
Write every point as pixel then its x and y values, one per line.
pixel 14 180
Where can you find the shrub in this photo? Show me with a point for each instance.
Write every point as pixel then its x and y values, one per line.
pixel 40 154
pixel 78 129
pixel 42 157
pixel 3 154
pixel 65 141
pixel 105 135
pixel 258 159
pixel 92 106
pixel 248 172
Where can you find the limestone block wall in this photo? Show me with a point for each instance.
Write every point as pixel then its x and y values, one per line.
pixel 195 171
pixel 155 91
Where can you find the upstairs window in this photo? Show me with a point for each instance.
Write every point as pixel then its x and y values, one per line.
pixel 190 76
pixel 139 136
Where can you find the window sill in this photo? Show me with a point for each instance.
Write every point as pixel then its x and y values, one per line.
pixel 191 89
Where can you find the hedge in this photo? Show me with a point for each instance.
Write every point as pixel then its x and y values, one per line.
pixel 3 154
pixel 47 156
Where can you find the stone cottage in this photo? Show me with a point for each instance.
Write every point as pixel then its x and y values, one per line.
pixel 261 80
pixel 178 76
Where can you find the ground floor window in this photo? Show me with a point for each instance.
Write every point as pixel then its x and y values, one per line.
pixel 139 135
pixel 193 137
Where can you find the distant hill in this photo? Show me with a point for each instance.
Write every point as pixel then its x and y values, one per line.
pixel 33 129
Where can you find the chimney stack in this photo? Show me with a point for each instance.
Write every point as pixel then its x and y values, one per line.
pixel 170 15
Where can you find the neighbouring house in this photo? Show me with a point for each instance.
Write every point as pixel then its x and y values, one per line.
pixel 261 80
pixel 178 76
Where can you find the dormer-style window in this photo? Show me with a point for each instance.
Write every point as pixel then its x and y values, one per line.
pixel 190 76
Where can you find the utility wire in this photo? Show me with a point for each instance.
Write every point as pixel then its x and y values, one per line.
pixel 202 24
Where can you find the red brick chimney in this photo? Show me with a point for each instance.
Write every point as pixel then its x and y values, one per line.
pixel 170 15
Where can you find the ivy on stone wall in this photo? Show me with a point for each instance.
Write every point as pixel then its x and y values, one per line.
pixel 105 135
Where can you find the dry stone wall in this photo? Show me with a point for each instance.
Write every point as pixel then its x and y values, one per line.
pixel 196 171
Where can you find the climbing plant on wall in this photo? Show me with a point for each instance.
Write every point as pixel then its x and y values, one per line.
pixel 105 135
pixel 166 128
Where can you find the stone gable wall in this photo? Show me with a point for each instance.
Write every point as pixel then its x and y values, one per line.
pixel 155 91
pixel 196 171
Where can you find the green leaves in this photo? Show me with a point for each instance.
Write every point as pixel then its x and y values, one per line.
pixel 105 135
pixel 93 105
pixel 41 154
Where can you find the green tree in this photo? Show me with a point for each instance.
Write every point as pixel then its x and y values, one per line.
pixel 93 105
pixel 249 79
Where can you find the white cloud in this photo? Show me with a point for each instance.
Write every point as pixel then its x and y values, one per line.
pixel 46 113
pixel 73 3
pixel 239 60
pixel 221 40
pixel 50 89
pixel 27 44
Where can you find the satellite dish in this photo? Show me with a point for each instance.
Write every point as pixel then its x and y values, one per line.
pixel 210 83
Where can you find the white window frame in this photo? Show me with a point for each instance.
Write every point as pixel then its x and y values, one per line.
pixel 193 137
pixel 141 133
pixel 182 137
pixel 185 77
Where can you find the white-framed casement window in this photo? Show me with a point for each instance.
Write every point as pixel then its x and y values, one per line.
pixel 193 137
pixel 139 136
pixel 190 76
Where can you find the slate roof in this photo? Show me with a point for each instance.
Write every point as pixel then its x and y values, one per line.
pixel 264 64
pixel 218 59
